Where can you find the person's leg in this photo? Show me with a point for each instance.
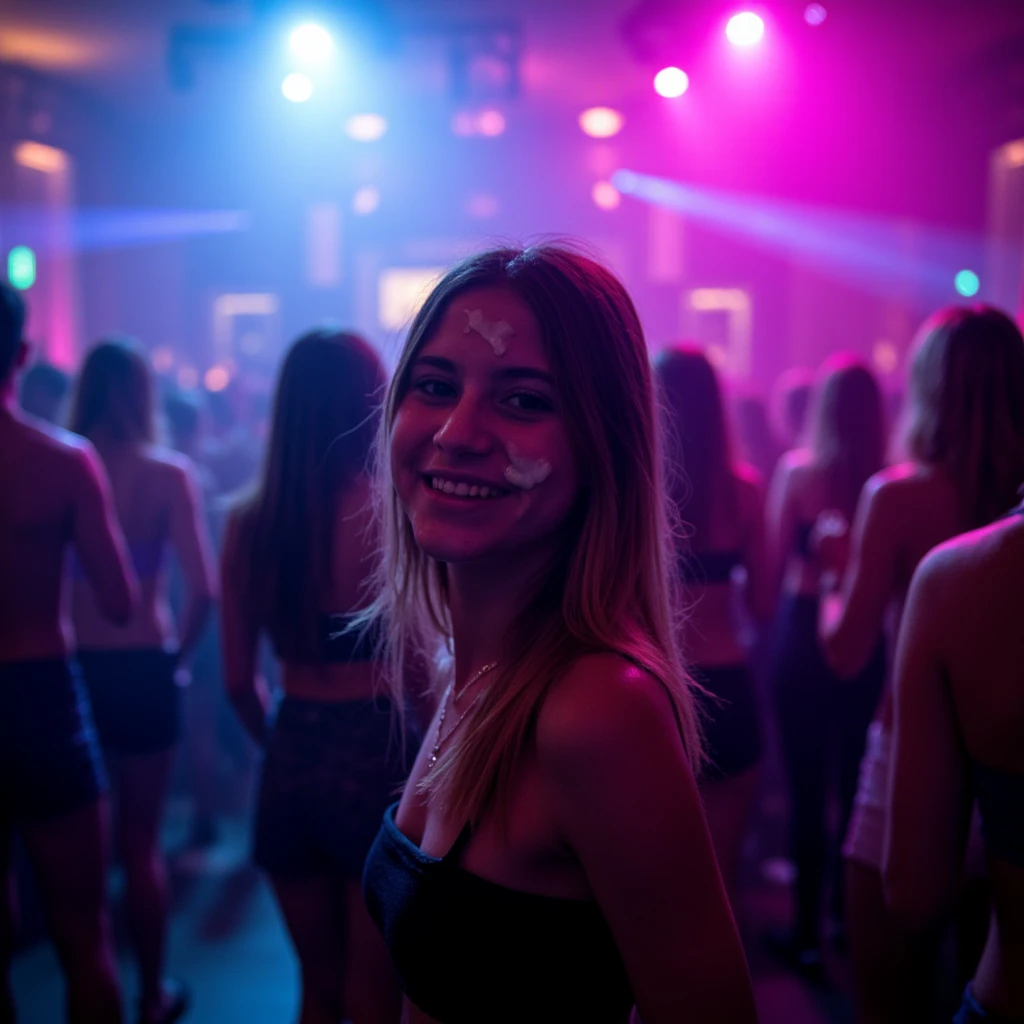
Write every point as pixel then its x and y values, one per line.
pixel 728 805
pixel 310 910
pixel 141 782
pixel 71 856
pixel 8 923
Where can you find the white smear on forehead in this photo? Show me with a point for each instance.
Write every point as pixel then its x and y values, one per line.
pixel 525 472
pixel 493 333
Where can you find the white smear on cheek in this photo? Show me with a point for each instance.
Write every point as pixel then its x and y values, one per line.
pixel 524 472
pixel 493 333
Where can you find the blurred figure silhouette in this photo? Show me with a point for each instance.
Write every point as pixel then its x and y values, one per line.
pixel 135 672
pixel 43 391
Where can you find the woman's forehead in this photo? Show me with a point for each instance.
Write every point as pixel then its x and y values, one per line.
pixel 492 323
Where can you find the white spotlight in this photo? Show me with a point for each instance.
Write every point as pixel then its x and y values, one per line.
pixel 366 127
pixel 297 87
pixel 311 43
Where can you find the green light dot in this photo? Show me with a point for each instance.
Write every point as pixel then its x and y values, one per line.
pixel 967 283
pixel 21 267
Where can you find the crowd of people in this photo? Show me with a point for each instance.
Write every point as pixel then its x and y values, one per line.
pixel 513 627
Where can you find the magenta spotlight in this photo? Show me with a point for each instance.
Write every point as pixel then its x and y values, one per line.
pixel 745 29
pixel 815 15
pixel 671 82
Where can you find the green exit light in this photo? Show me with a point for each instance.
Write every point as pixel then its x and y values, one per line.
pixel 21 267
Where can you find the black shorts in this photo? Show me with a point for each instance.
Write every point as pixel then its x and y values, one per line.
pixel 50 761
pixel 135 698
pixel 731 720
pixel 330 771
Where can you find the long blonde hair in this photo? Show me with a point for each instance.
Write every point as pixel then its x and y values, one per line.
pixel 965 411
pixel 608 589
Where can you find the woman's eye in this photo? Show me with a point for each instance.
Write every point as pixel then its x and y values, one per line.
pixel 528 401
pixel 434 388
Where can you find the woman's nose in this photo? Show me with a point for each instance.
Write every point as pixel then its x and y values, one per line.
pixel 465 430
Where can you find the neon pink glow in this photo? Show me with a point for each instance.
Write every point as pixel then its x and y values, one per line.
pixel 605 195
pixel 745 29
pixel 671 82
pixel 491 122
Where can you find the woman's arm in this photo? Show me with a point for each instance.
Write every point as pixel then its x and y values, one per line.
pixel 246 687
pixel 929 795
pixel 613 760
pixel 851 620
pixel 191 543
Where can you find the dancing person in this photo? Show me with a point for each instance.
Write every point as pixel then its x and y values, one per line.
pixel 549 858
pixel 721 506
pixel 53 787
pixel 133 671
pixel 43 390
pixel 964 436
pixel 958 736
pixel 296 560
pixel 822 722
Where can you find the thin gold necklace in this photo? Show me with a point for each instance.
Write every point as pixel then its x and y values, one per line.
pixel 445 701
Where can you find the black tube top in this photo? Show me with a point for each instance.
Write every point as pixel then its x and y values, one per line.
pixel 469 950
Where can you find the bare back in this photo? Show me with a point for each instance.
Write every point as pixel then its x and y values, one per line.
pixel 984 659
pixel 159 512
pixel 904 511
pixel 799 494
pixel 54 495
pixel 960 692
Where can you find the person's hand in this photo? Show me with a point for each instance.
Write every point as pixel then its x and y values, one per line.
pixel 830 541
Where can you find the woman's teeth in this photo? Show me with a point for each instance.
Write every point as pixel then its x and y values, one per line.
pixel 464 490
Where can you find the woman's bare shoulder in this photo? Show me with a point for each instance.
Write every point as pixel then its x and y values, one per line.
pixel 603 702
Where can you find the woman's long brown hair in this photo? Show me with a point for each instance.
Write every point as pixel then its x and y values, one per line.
pixel 325 417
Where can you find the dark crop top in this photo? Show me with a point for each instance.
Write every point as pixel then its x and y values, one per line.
pixel 470 950
pixel 703 568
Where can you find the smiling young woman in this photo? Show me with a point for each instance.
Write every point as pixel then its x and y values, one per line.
pixel 554 798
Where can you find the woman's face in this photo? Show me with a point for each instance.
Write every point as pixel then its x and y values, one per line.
pixel 480 455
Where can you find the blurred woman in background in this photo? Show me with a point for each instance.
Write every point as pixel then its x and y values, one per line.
pixel 964 439
pixel 133 671
pixel 296 560
pixel 721 507
pixel 820 721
